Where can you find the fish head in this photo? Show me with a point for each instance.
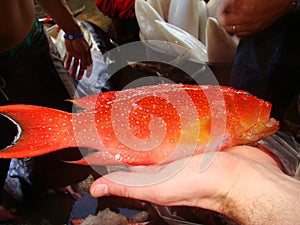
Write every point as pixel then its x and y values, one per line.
pixel 249 117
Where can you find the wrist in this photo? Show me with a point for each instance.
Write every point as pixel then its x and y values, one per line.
pixel 269 199
pixel 71 37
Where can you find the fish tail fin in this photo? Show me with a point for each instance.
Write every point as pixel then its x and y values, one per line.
pixel 39 130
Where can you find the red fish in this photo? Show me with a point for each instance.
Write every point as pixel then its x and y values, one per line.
pixel 145 125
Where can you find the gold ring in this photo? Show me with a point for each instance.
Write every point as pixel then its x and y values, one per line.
pixel 233 29
pixel 294 4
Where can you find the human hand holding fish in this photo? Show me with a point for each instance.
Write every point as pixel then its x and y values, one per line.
pixel 243 183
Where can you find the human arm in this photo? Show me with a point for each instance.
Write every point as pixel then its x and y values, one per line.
pixel 78 49
pixel 243 183
pixel 251 16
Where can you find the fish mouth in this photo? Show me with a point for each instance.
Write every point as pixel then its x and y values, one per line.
pixel 271 126
pixel 272 123
pixel 258 131
pixel 268 124
pixel 262 130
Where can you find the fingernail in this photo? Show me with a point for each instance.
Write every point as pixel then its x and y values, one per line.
pixel 99 190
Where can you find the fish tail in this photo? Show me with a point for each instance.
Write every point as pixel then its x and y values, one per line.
pixel 39 130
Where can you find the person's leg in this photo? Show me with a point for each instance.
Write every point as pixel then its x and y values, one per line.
pixel 5 215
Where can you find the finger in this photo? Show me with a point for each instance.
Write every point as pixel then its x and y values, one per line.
pixel 235 30
pixel 89 59
pixel 258 155
pixel 241 30
pixel 80 72
pixel 229 19
pixel 68 62
pixel 83 67
pixel 104 186
pixel 243 33
pixel 74 68
pixel 152 179
pixel 89 71
pixel 231 29
pixel 149 182
pixel 146 169
pixel 230 6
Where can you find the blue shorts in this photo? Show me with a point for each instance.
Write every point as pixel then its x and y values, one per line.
pixel 267 64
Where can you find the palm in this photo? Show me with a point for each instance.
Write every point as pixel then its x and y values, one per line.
pixel 190 186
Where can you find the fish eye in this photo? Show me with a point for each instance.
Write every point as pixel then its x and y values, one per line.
pixel 247 94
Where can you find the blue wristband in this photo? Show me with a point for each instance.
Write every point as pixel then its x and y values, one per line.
pixel 71 37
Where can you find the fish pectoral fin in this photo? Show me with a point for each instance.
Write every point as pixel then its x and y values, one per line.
pixel 197 132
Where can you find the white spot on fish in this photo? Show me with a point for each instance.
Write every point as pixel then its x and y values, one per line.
pixel 117 156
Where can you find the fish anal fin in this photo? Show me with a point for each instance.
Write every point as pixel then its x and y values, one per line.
pixel 99 158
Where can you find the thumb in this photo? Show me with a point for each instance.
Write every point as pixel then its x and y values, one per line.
pixel 108 185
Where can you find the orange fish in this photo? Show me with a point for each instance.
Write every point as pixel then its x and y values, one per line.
pixel 143 126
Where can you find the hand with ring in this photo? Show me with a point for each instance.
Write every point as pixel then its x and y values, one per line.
pixel 245 17
pixel 233 29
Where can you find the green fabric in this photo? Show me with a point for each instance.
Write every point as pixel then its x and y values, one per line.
pixel 28 41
